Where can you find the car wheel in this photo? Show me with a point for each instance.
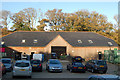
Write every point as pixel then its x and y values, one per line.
pixel 67 68
pixel 29 76
pixel 41 70
pixel 71 70
pixel 104 72
pixel 84 71
pixel 46 68
pixel 92 70
pixel 13 76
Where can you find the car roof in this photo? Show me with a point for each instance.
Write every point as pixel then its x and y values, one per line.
pixel 98 60
pixel 35 59
pixel 26 61
pixel 53 59
pixel 105 76
pixel 6 59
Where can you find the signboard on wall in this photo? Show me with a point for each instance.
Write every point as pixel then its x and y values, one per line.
pixel 2 50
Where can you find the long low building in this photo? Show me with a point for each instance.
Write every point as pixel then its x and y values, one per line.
pixel 85 44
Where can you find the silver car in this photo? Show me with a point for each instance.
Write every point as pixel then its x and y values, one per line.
pixel 22 68
pixel 8 63
pixel 54 65
pixel 104 77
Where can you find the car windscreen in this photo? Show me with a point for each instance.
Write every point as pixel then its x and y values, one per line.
pixel 77 63
pixel 22 64
pixel 35 62
pixel 6 61
pixel 54 62
pixel 101 62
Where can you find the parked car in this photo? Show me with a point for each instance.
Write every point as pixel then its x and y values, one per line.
pixel 8 64
pixel 22 68
pixel 76 66
pixel 77 59
pixel 103 77
pixel 97 66
pixel 2 68
pixel 54 65
pixel 36 65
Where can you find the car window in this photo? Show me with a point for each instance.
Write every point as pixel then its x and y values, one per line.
pixel 22 64
pixel 101 62
pixel 6 61
pixel 54 62
pixel 35 62
pixel 77 63
pixel 93 78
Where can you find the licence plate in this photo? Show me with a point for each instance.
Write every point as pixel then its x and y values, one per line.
pixel 101 66
pixel 78 58
pixel 22 69
pixel 79 67
pixel 35 65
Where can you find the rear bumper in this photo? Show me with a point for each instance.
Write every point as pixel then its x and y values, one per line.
pixel 21 73
pixel 98 69
pixel 36 68
pixel 9 69
pixel 79 70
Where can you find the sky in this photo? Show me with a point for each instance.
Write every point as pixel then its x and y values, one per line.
pixel 109 9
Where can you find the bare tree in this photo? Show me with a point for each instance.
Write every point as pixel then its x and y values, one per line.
pixel 5 17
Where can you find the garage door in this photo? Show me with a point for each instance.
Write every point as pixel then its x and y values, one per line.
pixel 58 50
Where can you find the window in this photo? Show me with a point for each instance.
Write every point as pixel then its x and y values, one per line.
pixel 79 41
pixel 90 41
pixel 110 43
pixel 2 42
pixel 35 41
pixel 23 41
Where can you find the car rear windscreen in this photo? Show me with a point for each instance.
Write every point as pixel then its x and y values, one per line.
pixel 101 62
pixel 77 63
pixel 35 62
pixel 54 62
pixel 22 64
pixel 6 61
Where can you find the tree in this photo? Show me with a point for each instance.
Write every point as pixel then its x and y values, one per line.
pixel 25 19
pixel 41 27
pixel 30 16
pixel 5 17
pixel 55 17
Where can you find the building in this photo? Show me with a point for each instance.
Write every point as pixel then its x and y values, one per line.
pixel 85 44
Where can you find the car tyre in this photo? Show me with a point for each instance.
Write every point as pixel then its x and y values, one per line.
pixel 41 70
pixel 67 68
pixel 104 72
pixel 46 68
pixel 93 71
pixel 13 77
pixel 29 76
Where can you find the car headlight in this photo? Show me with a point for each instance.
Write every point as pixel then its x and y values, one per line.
pixel 8 66
pixel 51 67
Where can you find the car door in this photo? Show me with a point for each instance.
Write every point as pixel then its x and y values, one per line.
pixel 92 64
pixel 47 64
pixel 88 64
